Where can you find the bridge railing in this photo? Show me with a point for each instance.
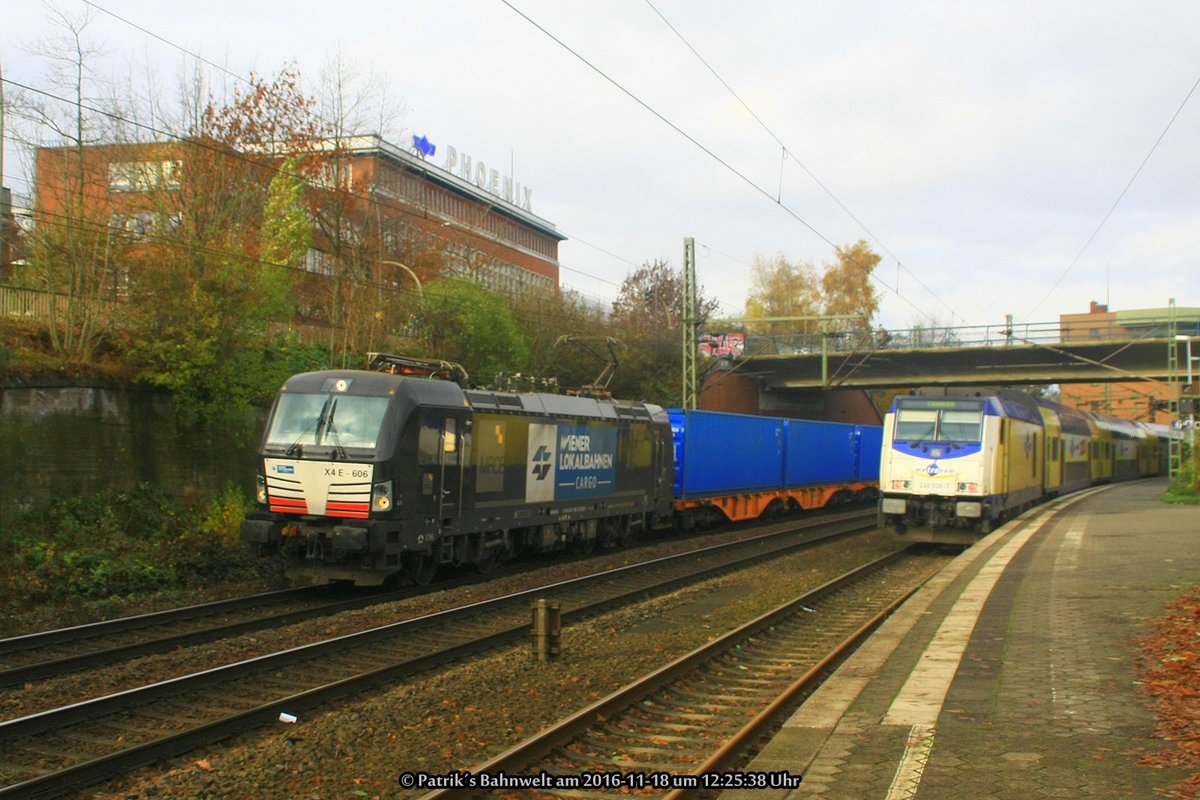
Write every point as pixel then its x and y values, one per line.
pixel 1049 333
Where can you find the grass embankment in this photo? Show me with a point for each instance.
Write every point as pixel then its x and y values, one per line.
pixel 85 558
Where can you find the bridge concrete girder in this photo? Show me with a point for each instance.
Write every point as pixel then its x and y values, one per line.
pixel 1016 364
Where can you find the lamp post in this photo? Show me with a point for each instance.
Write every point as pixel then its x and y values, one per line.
pixel 408 325
pixel 411 274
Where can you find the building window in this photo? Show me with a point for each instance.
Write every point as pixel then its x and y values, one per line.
pixel 318 262
pixel 142 224
pixel 143 176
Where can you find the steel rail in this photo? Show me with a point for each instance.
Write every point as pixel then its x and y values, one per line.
pixel 30 641
pixel 527 753
pixel 106 766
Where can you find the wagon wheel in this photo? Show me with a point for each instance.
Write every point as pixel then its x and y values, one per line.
pixel 421 569
pixel 487 561
pixel 582 547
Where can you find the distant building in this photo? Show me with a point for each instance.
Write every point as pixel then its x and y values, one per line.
pixel 460 226
pixel 1140 400
pixel 479 229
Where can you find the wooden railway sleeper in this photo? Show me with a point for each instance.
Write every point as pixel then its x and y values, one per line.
pixel 59 754
pixel 645 735
pixel 679 714
pixel 597 762
pixel 684 728
pixel 736 684
pixel 726 699
pixel 347 666
pixel 627 748
pixel 127 728
pixel 181 719
pixel 756 676
pixel 80 736
pixel 689 699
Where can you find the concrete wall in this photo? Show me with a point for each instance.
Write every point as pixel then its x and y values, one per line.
pixel 72 440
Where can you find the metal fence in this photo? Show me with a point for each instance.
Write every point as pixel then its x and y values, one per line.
pixel 966 336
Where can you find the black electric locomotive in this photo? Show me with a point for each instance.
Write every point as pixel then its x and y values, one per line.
pixel 366 476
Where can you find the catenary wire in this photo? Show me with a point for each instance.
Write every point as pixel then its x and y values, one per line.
pixel 707 151
pixel 403 210
pixel 790 153
pixel 227 71
pixel 1115 203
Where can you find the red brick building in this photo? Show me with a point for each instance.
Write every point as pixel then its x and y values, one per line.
pixel 472 224
pixel 1133 399
pixel 460 225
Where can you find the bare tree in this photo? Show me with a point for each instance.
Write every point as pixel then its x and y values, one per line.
pixel 75 254
pixel 354 236
pixel 648 317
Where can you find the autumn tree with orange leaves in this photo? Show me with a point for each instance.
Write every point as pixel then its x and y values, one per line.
pixel 218 268
pixel 843 289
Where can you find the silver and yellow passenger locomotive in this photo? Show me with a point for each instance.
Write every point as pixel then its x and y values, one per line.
pixel 954 467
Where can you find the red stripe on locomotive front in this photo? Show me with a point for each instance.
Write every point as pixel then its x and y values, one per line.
pixel 289 505
pixel 359 510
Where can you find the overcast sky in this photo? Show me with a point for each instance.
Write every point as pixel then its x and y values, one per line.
pixel 978 147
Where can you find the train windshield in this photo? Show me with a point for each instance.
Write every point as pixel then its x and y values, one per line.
pixel 327 420
pixel 939 425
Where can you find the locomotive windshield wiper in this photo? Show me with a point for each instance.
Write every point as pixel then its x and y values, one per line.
pixel 296 448
pixel 331 429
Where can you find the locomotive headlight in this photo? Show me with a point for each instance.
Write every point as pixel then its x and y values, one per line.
pixel 901 484
pixel 381 496
pixel 260 488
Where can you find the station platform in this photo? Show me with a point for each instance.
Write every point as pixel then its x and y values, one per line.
pixel 1012 673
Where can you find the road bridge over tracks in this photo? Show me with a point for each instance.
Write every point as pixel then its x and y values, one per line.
pixel 972 356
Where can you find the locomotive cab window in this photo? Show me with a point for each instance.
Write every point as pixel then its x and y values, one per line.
pixel 961 426
pixel 450 440
pixel 328 420
pixel 941 425
pixel 438 441
pixel 916 424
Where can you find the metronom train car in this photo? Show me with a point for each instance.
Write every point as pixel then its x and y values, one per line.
pixel 952 468
pixel 374 476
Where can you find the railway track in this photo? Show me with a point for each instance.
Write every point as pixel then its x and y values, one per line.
pixel 52 752
pixel 24 659
pixel 680 730
pixel 29 658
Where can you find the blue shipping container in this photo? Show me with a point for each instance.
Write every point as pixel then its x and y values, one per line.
pixel 821 452
pixel 870 452
pixel 718 454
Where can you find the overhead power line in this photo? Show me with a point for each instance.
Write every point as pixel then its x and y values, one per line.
pixel 1116 202
pixel 246 81
pixel 788 153
pixel 703 148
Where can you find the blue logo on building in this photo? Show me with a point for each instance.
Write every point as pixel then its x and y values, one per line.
pixel 423 146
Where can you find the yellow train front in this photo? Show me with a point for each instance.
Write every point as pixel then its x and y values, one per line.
pixel 952 468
